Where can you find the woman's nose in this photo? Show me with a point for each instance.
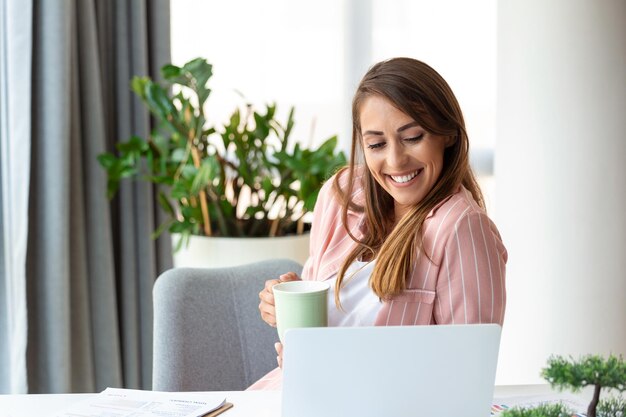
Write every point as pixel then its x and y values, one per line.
pixel 397 157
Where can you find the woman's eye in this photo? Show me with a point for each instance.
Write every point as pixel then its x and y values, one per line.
pixel 415 139
pixel 375 145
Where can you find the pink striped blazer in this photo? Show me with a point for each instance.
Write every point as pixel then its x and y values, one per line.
pixel 464 283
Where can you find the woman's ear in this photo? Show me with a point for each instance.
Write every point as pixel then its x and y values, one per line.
pixel 450 140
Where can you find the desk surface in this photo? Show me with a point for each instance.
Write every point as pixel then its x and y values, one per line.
pixel 247 403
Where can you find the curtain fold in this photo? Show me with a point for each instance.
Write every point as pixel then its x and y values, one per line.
pixel 15 130
pixel 91 263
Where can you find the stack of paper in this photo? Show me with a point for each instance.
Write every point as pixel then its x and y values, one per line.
pixel 114 402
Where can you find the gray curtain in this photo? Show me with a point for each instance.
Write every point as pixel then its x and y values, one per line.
pixel 91 263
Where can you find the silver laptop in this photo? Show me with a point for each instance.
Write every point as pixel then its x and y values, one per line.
pixel 396 371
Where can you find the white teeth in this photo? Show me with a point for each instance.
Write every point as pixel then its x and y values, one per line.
pixel 405 178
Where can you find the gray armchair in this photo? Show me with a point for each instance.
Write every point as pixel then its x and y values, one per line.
pixel 208 335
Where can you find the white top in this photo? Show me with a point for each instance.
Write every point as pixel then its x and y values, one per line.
pixel 360 304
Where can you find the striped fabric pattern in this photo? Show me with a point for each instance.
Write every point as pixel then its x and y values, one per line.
pixel 464 283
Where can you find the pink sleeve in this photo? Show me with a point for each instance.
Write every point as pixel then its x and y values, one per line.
pixel 471 282
pixel 317 224
pixel 273 380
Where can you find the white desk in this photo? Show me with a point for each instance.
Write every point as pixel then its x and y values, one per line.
pixel 247 403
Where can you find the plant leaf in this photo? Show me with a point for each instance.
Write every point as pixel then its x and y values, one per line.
pixel 170 71
pixel 202 178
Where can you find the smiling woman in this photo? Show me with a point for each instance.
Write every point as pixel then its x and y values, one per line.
pixel 409 114
pixel 403 227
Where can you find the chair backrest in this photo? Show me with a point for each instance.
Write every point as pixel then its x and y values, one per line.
pixel 208 334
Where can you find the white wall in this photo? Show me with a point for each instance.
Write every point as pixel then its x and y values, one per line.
pixel 561 179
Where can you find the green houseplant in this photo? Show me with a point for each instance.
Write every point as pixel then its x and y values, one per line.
pixel 241 179
pixel 589 370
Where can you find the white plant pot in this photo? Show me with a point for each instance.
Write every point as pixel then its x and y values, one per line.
pixel 218 252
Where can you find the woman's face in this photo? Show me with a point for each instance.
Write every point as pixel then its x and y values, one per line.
pixel 403 158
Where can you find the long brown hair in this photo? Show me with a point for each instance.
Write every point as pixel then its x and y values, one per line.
pixel 419 91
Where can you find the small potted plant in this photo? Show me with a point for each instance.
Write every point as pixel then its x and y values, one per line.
pixel 591 370
pixel 240 179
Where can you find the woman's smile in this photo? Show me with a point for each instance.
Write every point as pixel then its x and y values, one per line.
pixel 403 180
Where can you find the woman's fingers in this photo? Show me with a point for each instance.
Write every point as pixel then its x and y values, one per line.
pixel 266 305
pixel 268 316
pixel 279 351
pixel 289 276
pixel 266 297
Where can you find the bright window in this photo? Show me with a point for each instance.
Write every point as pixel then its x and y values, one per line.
pixel 298 53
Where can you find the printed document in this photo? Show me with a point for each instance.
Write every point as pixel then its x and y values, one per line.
pixel 116 402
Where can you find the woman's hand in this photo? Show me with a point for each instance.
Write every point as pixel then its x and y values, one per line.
pixel 279 352
pixel 266 306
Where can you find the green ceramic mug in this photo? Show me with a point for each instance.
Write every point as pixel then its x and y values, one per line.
pixel 300 304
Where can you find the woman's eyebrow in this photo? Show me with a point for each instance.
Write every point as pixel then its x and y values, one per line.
pixel 400 129
pixel 407 126
pixel 373 132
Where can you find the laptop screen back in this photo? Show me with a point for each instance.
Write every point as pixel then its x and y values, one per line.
pixel 429 371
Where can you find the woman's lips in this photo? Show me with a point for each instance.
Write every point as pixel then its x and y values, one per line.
pixel 402 180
